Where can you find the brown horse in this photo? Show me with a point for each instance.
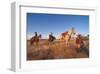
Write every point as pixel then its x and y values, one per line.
pixel 35 39
pixel 65 37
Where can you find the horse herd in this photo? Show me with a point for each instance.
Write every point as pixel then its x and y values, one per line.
pixel 65 36
pixel 36 39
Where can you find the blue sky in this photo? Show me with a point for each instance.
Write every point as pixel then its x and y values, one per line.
pixel 56 23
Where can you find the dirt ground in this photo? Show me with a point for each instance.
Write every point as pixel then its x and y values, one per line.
pixel 56 50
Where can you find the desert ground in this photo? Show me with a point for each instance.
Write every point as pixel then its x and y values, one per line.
pixel 56 50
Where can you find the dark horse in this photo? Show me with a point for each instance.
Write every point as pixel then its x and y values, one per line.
pixel 51 38
pixel 35 39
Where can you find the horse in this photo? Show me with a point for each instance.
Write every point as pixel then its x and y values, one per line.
pixel 35 39
pixel 66 36
pixel 51 38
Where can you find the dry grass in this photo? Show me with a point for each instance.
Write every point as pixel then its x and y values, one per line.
pixel 55 50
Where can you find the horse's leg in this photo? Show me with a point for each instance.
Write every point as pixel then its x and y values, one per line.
pixel 37 43
pixel 67 43
pixel 34 44
pixel 31 42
